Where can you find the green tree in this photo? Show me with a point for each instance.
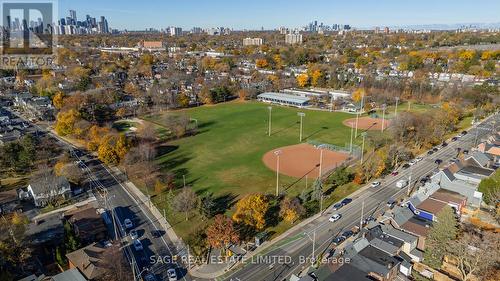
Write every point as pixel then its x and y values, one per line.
pixel 443 231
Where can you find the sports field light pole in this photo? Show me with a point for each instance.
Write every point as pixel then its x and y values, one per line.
pixel 301 115
pixel 384 107
pixel 320 162
pixel 277 153
pixel 352 132
pixel 363 146
pixel 270 116
pixel 396 109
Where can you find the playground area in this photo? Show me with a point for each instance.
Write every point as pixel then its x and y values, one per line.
pixel 367 123
pixel 304 159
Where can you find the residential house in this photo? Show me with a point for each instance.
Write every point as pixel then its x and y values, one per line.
pixel 9 201
pixel 87 223
pixel 88 260
pixel 42 189
pixel 68 275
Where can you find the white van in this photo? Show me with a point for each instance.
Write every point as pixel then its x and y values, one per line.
pixel 402 183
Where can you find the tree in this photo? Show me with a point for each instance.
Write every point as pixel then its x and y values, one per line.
pixel 475 253
pixel 303 80
pixel 106 151
pixel 185 201
pixel 358 95
pixel 261 63
pixel 65 122
pixel 291 209
pixel 58 100
pixel 207 206
pixel 115 265
pixel 221 233
pixel 183 100
pixel 251 210
pixel 442 232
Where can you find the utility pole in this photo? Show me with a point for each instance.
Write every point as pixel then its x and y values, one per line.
pixel 363 147
pixel 352 131
pixel 396 109
pixel 277 153
pixel 301 114
pixel 270 116
pixel 361 219
pixel 409 180
pixel 357 120
pixel 320 163
pixel 384 107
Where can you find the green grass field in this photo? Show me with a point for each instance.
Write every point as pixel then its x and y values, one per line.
pixel 225 156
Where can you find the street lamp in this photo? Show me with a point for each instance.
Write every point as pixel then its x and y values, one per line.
pixel 396 109
pixel 352 131
pixel 384 107
pixel 301 115
pixel 277 153
pixel 363 146
pixel 270 116
pixel 313 239
pixel 320 147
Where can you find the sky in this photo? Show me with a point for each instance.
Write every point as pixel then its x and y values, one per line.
pixel 270 14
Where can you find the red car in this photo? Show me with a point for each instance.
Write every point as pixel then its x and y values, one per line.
pixel 395 173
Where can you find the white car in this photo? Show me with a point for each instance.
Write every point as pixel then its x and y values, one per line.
pixel 413 162
pixel 418 159
pixel 138 245
pixel 335 217
pixel 172 276
pixel 375 183
pixel 133 234
pixel 128 223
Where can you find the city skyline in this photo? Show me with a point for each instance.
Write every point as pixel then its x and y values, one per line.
pixel 240 15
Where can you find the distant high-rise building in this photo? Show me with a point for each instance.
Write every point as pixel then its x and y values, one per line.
pixel 283 30
pixel 174 31
pixel 72 15
pixel 103 25
pixel 252 41
pixel 386 30
pixel 196 30
pixel 293 38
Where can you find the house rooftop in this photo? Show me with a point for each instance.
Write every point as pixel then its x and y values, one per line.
pixel 448 196
pixel 431 205
pixel 69 275
pixel 417 226
pixel 87 260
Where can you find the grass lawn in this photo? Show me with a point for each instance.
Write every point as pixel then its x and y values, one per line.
pixel 225 156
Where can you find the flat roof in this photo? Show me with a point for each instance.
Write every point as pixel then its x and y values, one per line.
pixel 432 206
pixel 284 97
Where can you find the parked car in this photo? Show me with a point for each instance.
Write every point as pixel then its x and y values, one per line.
pixel 435 149
pixel 430 152
pixel 419 158
pixel 337 206
pixel 395 173
pixel 338 240
pixel 406 166
pixel 335 217
pixel 346 201
pixel 438 161
pixel 149 277
pixel 128 223
pixel 464 133
pixel 413 162
pixel 375 184
pixel 391 203
pixel 454 138
pixel 172 275
pixel 444 144
pixel 347 234
pixel 156 233
pixel 133 234
pixel 138 245
pixel 465 151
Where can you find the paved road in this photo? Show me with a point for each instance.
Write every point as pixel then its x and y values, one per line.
pixel 125 205
pixel 299 246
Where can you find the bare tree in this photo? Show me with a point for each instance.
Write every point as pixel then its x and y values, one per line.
pixel 51 187
pixel 475 253
pixel 115 265
pixel 185 201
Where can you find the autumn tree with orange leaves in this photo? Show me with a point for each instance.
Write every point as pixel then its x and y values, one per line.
pixel 251 210
pixel 221 233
